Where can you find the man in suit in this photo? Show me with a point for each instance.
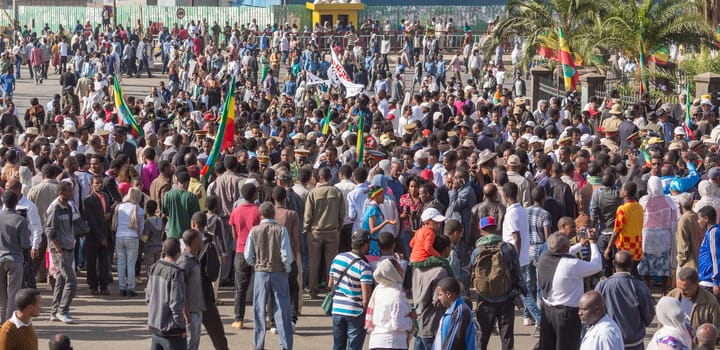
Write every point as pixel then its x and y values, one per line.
pixel 121 146
pixel 97 248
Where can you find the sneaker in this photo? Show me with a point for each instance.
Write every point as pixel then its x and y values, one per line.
pixel 527 321
pixel 53 317
pixel 237 324
pixel 104 291
pixel 273 330
pixel 65 318
pixel 94 291
pixel 131 293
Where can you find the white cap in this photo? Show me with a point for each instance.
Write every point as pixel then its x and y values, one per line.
pixel 679 131
pixel 432 214
pixel 535 139
pixel 420 154
pixel 586 138
pixel 425 105
pixel 168 141
pixel 705 102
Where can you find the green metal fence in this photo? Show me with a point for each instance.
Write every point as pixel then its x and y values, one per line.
pixel 476 17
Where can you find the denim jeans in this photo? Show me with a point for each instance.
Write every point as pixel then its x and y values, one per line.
pixel 126 249
pixel 277 284
pixel 193 331
pixel 168 343
pixel 423 343
pixel 348 332
pixel 531 309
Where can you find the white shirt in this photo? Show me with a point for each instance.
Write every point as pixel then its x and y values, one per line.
pixel 567 284
pixel 516 220
pixel 346 186
pixel 603 335
pixel 63 48
pixel 18 322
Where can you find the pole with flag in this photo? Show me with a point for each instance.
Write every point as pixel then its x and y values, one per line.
pixel 361 138
pixel 643 79
pixel 570 73
pixel 123 112
pixel 225 137
pixel 688 120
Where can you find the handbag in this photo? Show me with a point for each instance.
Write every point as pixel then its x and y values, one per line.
pixel 327 303
pixel 79 224
pixel 80 227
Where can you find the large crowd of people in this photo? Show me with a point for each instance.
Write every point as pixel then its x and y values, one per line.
pixel 420 215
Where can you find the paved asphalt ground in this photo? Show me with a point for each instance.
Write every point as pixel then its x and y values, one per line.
pixel 115 322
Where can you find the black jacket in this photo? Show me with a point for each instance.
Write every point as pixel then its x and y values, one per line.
pixel 94 214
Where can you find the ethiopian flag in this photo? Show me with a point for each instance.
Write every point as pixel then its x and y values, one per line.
pixel 326 122
pixel 568 65
pixel 125 117
pixel 225 137
pixel 661 56
pixel 361 139
pixel 686 124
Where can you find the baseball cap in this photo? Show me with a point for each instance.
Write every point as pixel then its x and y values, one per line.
pixel 679 131
pixel 432 214
pixel 420 154
pixel 714 173
pixel 486 222
pixel 514 160
pixel 361 236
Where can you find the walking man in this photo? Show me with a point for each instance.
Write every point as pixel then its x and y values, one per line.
pixel 61 241
pixel 14 238
pixel 268 250
pixel 194 301
pixel 165 296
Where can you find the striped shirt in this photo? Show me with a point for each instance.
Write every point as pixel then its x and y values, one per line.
pixel 538 219
pixel 348 296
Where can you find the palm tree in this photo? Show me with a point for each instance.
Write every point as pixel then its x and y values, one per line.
pixel 600 27
pixel 661 23
pixel 537 21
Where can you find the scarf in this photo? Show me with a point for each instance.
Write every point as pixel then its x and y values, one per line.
pixel 455 326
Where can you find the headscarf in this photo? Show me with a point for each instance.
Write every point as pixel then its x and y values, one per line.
pixel 708 196
pixel 25 179
pixel 675 332
pixel 387 275
pixel 658 206
pixel 389 291
pixel 661 215
pixel 380 180
pixel 133 196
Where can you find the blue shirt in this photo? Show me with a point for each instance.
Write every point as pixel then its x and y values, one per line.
pixel 8 82
pixel 707 266
pixel 370 211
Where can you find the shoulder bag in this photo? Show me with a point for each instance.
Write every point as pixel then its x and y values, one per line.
pixel 327 303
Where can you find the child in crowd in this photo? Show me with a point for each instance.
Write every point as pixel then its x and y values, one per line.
pixel 152 235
